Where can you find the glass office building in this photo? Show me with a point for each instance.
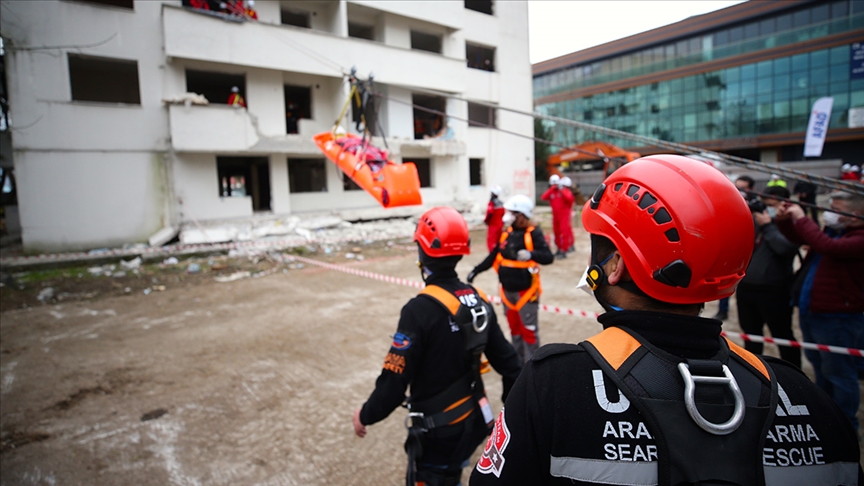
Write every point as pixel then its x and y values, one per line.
pixel 741 80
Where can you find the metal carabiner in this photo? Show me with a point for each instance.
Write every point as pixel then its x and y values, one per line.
pixel 690 401
pixel 476 315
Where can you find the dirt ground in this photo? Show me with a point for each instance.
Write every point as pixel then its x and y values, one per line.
pixel 252 381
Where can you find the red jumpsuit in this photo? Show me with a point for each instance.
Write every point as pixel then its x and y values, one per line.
pixel 567 223
pixel 558 200
pixel 494 214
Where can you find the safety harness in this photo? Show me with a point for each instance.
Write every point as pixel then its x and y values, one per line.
pixel 457 402
pixel 533 268
pixel 724 405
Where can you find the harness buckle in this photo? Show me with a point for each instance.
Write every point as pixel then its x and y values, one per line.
pixel 414 418
pixel 690 401
pixel 476 316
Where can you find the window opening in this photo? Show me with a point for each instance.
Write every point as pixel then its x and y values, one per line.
pixel 245 176
pixel 426 124
pixel 103 79
pixel 216 87
pixel 422 41
pixel 480 115
pixel 475 167
pixel 361 31
pixel 348 184
pixel 480 57
pixel 298 105
pixel 111 3
pixel 482 6
pixel 424 170
pixel 297 19
pixel 307 175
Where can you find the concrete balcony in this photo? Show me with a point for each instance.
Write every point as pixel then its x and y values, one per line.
pixel 192 35
pixel 212 128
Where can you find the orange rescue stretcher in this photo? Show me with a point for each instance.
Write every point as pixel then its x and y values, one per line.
pixel 390 183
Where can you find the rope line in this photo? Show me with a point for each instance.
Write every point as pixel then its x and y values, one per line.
pixel 574 312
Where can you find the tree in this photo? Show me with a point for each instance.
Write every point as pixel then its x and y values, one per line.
pixel 541 150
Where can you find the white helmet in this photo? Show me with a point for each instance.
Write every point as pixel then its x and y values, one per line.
pixel 235 89
pixel 250 3
pixel 496 189
pixel 855 168
pixel 520 203
pixel 553 179
pixel 846 167
pixel 566 182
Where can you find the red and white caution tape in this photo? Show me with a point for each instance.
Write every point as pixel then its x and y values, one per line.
pixel 582 313
pixel 795 344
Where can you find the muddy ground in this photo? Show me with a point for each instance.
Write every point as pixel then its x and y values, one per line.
pixel 252 381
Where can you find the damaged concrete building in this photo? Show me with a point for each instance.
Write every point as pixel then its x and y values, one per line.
pixel 120 123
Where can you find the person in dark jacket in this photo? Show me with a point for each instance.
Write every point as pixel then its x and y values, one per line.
pixel 764 292
pixel 517 258
pixel 436 350
pixel 829 292
pixel 659 397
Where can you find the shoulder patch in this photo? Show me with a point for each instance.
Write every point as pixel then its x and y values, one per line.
pixel 492 460
pixel 556 348
pixel 401 341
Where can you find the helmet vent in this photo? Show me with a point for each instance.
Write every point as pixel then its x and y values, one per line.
pixel 632 190
pixel 618 186
pixel 647 200
pixel 436 244
pixel 662 216
pixel 672 235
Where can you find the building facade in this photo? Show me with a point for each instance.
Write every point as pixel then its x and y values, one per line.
pixel 111 143
pixel 741 80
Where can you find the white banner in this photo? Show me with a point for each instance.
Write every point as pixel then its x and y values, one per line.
pixel 817 128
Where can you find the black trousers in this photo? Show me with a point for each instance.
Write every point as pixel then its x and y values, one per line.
pixel 767 304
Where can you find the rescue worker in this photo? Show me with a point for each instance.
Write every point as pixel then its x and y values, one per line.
pixel 775 180
pixel 659 397
pixel 567 229
pixel 560 213
pixel 494 213
pixel 517 258
pixel 436 350
pixel 236 99
pixel 250 10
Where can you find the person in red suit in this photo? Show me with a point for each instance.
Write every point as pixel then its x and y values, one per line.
pixel 560 214
pixel 236 99
pixel 567 223
pixel 494 214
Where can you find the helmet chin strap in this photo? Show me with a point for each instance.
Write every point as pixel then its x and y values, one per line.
pixel 425 272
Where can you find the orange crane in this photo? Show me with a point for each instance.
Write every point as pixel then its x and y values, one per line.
pixel 588 151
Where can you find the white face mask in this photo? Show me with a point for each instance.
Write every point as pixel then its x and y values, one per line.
pixel 832 220
pixel 508 218
pixel 772 211
pixel 583 283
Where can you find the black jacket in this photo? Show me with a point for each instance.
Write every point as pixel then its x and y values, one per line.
pixel 427 353
pixel 771 263
pixel 515 279
pixel 553 416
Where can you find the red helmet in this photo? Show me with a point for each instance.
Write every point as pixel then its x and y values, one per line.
pixel 443 232
pixel 681 226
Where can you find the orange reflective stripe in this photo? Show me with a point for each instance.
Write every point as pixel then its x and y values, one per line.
pixel 529 245
pixel 463 416
pixel 449 300
pixel 529 294
pixel 749 357
pixel 529 242
pixel 614 345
